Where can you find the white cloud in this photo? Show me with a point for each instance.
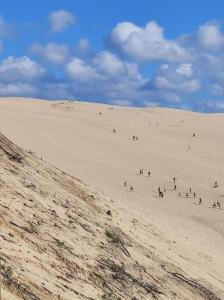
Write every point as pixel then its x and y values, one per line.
pixel 57 90
pixel 216 89
pixel 83 45
pixel 123 31
pixel 187 86
pixel 83 49
pixel 163 83
pixel 210 37
pixel 104 67
pixel 78 70
pixel 108 63
pixel 210 67
pixel 52 52
pixel 185 69
pixel 176 78
pixel 146 43
pixel 61 20
pixel 17 89
pixel 212 105
pixel 19 69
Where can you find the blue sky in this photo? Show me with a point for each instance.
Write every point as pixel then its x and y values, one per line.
pixel 136 53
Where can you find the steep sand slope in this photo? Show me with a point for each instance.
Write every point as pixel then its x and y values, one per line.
pixel 79 140
pixel 58 242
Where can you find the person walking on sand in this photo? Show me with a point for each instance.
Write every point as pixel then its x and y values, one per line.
pixel 125 184
pixel 174 180
pixel 214 205
pixel 149 173
pixel 200 201
pixel 114 131
pixel 190 190
pixel 175 187
pixel 215 185
pixel 194 194
pixel 131 188
pixel 218 204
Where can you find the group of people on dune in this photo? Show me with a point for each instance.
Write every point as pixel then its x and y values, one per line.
pixel 161 191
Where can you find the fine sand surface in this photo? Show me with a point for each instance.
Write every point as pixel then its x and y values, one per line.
pixel 74 137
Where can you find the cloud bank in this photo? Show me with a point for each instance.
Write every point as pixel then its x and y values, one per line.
pixel 137 66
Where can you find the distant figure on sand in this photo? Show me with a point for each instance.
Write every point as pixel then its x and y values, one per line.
pixel 141 171
pixel 135 138
pixel 100 113
pixel 160 192
pixel 193 135
pixel 194 194
pixel 190 190
pixel 214 205
pixel 125 184
pixel 131 188
pixel 215 185
pixel 175 187
pixel 218 204
pixel 149 173
pixel 114 131
pixel 200 201
pixel 174 180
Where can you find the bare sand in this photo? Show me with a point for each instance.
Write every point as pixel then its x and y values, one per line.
pixel 76 138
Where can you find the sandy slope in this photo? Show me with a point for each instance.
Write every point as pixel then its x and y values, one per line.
pixel 77 139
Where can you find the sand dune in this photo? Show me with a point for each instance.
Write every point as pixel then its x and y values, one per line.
pixel 174 231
